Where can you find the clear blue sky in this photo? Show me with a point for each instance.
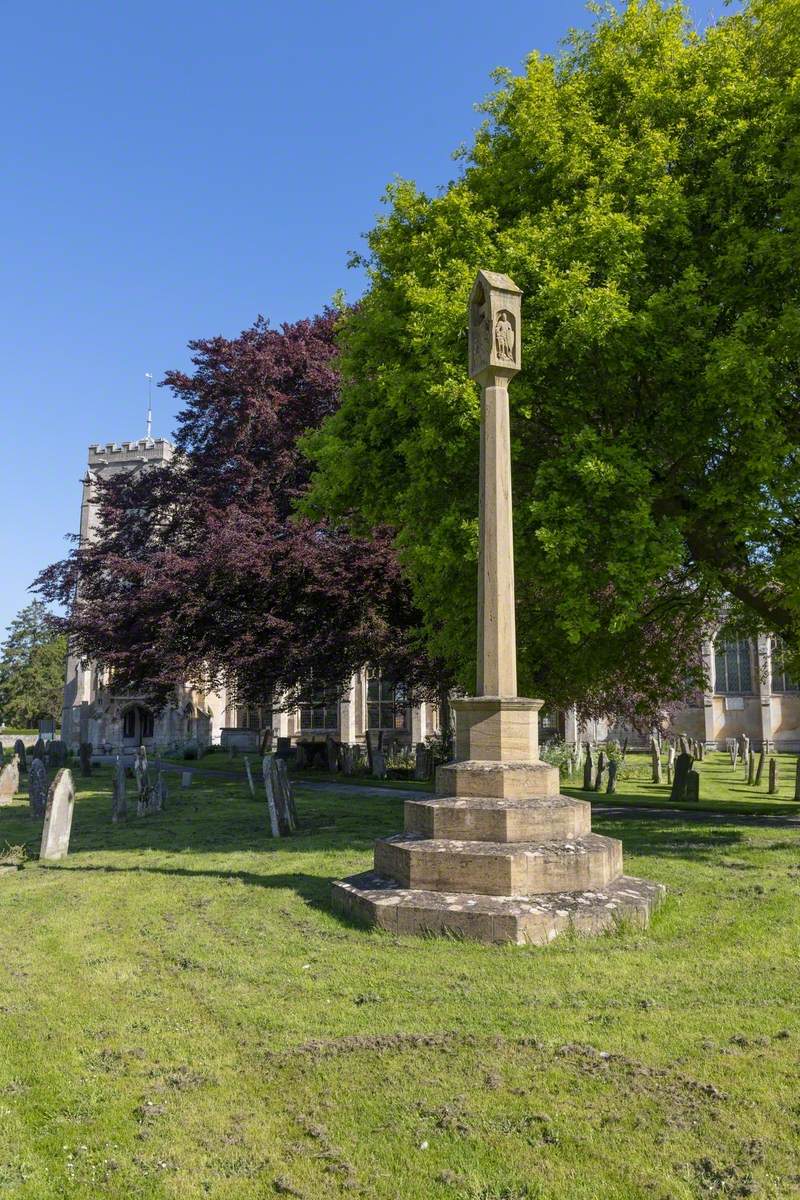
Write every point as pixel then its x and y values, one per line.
pixel 171 170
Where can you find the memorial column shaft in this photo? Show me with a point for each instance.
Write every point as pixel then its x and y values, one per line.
pixel 497 642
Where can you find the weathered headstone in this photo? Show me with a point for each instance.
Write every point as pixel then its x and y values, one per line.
pixel 693 787
pixel 797 781
pixel 762 758
pixel 286 807
pixel 331 754
pixel 751 769
pixel 773 777
pixel 22 755
pixel 119 799
pixel 186 779
pixel 683 765
pixel 613 768
pixel 423 762
pixel 588 769
pixel 85 755
pixel 9 781
pixel 283 747
pixel 701 751
pixel 269 788
pixel 348 760
pixel 301 758
pixel 601 766
pixel 378 764
pixel 733 749
pixel 58 816
pixel 40 749
pixel 142 776
pixel 56 755
pixel 249 774
pixel 37 787
pixel 655 756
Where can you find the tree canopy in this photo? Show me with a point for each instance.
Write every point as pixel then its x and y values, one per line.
pixel 200 572
pixel 643 189
pixel 32 661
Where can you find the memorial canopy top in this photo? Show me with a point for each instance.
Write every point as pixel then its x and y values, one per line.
pixel 495 308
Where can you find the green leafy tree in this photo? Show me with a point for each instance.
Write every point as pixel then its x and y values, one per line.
pixel 31 668
pixel 643 189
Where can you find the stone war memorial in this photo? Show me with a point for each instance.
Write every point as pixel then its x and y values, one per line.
pixel 498 854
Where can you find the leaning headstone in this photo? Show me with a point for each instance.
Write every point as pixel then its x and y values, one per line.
pixel 85 755
pixel 269 788
pixel 378 764
pixel 119 800
pixel 734 753
pixel 762 758
pixel 773 777
pixel 186 779
pixel 56 755
pixel 613 767
pixel 588 769
pixel 692 793
pixel 287 810
pixel 751 769
pixel 9 781
pixel 22 755
pixel 797 781
pixel 37 787
pixel 142 776
pixel 655 756
pixel 683 765
pixel 58 816
pixel 249 774
pixel 40 749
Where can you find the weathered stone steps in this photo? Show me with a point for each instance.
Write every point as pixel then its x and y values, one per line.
pixel 486 819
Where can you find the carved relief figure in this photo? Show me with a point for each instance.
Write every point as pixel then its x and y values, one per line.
pixel 504 336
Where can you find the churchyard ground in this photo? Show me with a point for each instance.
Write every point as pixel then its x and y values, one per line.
pixel 182 1016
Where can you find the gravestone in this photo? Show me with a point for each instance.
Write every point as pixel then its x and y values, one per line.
pixel 85 755
pixel 119 799
pixel 22 755
pixel 751 769
pixel 186 779
pixel 423 762
pixel 773 777
pixel 301 758
pixel 9 781
pixel 693 786
pixel 40 749
pixel 331 754
pixel 655 756
pixel 797 781
pixel 283 747
pixel 269 789
pixel 37 788
pixel 58 817
pixel 701 751
pixel 56 755
pixel 733 749
pixel 601 766
pixel 683 765
pixel 249 774
pixel 348 765
pixel 378 764
pixel 762 758
pixel 588 769
pixel 286 807
pixel 613 768
pixel 141 774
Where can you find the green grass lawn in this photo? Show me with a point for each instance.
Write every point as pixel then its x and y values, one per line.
pixel 182 1016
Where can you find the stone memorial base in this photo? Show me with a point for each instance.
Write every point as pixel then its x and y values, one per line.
pixel 498 855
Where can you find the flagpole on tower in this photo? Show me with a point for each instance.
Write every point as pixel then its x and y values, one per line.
pixel 149 379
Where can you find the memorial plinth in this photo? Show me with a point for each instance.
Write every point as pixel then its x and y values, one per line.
pixel 498 854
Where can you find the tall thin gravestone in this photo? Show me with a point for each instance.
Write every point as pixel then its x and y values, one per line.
pixel 797 780
pixel 269 788
pixel 613 768
pixel 773 777
pixel 58 817
pixel 762 758
pixel 751 769
pixel 497 831
pixel 601 766
pixel 119 799
pixel 249 773
pixel 655 756
pixel 37 788
pixel 588 769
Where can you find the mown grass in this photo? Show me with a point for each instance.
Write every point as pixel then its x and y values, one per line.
pixel 182 1016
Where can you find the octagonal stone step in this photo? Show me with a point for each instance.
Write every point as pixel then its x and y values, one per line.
pixel 485 819
pixel 499 868
pixel 380 901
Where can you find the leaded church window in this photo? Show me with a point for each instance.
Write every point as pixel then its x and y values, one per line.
pixel 733 668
